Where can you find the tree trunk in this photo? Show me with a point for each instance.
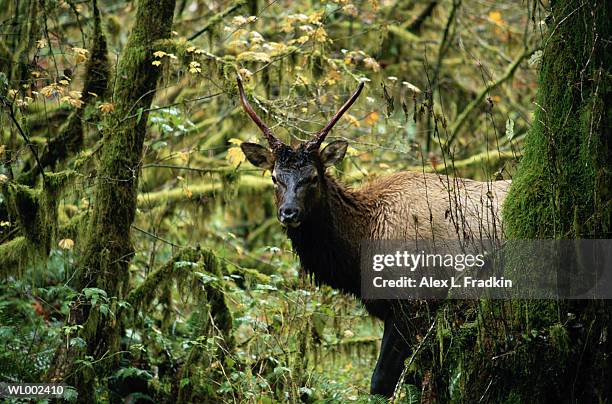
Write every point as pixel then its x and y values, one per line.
pixel 563 190
pixel 108 250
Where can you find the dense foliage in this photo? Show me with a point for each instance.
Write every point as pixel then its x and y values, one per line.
pixel 140 255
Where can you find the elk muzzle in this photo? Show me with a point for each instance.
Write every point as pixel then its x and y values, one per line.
pixel 289 215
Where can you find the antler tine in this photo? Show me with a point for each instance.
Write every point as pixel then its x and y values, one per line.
pixel 272 140
pixel 315 143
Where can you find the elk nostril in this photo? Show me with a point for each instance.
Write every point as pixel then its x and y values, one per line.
pixel 288 214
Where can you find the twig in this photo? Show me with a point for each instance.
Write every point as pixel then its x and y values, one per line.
pixel 200 170
pixel 225 169
pixel 508 74
pixel 155 236
pixel 215 19
pixel 398 386
pixel 25 137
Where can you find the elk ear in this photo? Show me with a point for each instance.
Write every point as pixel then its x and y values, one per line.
pixel 333 152
pixel 258 155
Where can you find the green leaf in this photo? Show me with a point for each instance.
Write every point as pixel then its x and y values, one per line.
pixel 139 114
pixel 509 129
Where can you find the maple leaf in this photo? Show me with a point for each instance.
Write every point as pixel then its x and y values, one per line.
pixel 66 244
pixel 371 64
pixel 372 118
pixel 352 120
pixel 235 156
pixel 106 107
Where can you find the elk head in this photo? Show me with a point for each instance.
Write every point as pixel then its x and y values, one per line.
pixel 297 172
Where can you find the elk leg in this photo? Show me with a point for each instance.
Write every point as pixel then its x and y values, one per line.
pixel 393 352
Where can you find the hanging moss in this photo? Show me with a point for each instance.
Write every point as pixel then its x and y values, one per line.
pixel 213 318
pixel 70 137
pixel 13 256
pixel 107 250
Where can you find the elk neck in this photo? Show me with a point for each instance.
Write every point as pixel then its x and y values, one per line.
pixel 328 241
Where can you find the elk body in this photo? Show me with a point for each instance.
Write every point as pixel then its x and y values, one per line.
pixel 326 222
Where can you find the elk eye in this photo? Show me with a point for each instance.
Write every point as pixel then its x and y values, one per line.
pixel 313 179
pixel 274 179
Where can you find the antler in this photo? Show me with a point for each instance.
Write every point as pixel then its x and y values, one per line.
pixel 315 143
pixel 272 140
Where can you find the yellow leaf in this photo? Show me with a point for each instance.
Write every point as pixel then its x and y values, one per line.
pixel 371 64
pixel 52 90
pixel 75 102
pixel 245 73
pixel 66 244
pixel 352 120
pixel 235 156
pixel 239 20
pixel 82 51
pixel 156 63
pixel 159 54
pixel 81 54
pixel 320 35
pixel 190 49
pixel 41 43
pixel 302 80
pixel 302 40
pixel 496 17
pixel 106 107
pixel 194 67
pixel 80 58
pixel 351 10
pixel 371 118
pixel 187 191
pixel 351 151
pixel 235 141
pixel 256 38
pixel 3 178
pixel 315 18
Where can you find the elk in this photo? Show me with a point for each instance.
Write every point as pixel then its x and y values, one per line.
pixel 326 221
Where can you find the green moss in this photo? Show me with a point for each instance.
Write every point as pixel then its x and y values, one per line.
pixel 562 190
pixel 559 180
pixel 14 256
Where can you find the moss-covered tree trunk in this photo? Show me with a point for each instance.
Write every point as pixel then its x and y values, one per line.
pixel 563 190
pixel 108 250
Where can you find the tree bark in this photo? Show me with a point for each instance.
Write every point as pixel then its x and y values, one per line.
pixel 563 190
pixel 108 249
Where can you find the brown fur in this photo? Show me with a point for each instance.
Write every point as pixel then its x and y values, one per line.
pixel 327 222
pixel 402 206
